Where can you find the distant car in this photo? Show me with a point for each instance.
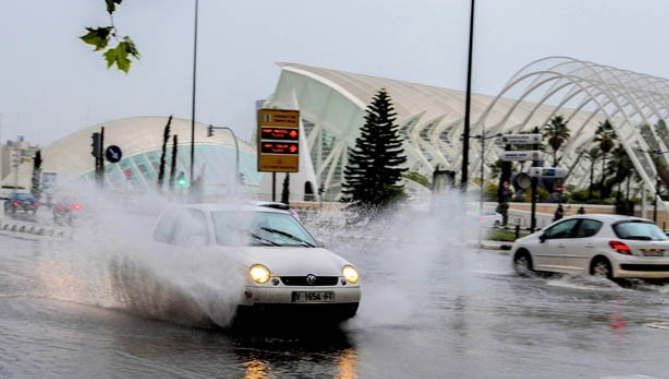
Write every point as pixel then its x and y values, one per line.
pixel 21 201
pixel 65 210
pixel 490 219
pixel 286 271
pixel 606 245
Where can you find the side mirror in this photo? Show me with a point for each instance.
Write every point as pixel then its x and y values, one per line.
pixel 321 243
pixel 542 238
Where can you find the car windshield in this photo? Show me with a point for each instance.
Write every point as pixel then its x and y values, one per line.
pixel 260 228
pixel 639 230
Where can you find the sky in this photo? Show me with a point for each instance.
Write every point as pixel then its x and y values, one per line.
pixel 52 84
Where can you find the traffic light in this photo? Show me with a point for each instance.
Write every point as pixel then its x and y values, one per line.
pixel 210 131
pixel 181 180
pixel 95 145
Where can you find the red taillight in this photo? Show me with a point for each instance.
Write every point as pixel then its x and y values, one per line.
pixel 17 203
pixel 37 203
pixel 620 247
pixel 75 206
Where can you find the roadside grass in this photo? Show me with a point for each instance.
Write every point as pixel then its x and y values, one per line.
pixel 504 235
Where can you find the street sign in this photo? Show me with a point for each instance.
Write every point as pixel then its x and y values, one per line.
pixel 525 139
pixel 278 140
pixel 521 155
pixel 113 153
pixel 548 172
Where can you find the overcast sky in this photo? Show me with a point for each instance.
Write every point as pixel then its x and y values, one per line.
pixel 51 84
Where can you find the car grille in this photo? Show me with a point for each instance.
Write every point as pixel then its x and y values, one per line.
pixel 302 280
pixel 634 267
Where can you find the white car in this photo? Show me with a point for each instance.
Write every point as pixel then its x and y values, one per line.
pixel 285 269
pixel 595 244
pixel 490 219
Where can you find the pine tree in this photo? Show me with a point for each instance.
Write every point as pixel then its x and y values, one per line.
pixel 36 187
pixel 161 168
pixel 374 165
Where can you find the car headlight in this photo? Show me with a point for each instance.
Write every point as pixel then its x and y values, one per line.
pixel 259 274
pixel 351 274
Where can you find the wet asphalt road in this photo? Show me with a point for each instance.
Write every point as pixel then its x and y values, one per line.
pixel 428 311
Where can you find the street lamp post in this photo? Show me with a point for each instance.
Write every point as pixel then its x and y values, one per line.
pixel 655 153
pixel 483 138
pixel 210 133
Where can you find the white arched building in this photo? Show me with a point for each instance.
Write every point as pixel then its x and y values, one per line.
pixel 431 119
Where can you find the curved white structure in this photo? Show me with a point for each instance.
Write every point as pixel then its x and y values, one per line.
pixel 431 119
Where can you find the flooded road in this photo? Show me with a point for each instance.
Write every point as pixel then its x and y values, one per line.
pixel 451 312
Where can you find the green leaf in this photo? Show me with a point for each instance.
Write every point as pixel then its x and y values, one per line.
pixel 111 5
pixel 98 37
pixel 118 56
pixel 130 47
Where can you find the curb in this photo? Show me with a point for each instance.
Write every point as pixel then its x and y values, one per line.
pixel 33 229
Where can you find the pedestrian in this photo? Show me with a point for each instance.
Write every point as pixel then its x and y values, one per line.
pixel 559 212
pixel 581 211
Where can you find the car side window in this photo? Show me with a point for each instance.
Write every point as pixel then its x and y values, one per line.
pixel 165 228
pixel 561 230
pixel 191 228
pixel 588 228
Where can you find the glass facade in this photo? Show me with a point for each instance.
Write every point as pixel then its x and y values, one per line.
pixel 215 164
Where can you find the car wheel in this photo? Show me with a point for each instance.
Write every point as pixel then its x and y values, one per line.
pixel 601 267
pixel 497 224
pixel 522 263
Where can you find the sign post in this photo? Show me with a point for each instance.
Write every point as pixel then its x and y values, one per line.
pixel 278 142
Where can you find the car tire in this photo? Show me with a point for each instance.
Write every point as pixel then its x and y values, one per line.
pixel 522 263
pixel 601 266
pixel 497 224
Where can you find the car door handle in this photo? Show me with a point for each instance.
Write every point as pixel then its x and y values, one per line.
pixel 560 245
pixel 589 245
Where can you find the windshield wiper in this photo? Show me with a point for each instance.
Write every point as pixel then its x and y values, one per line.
pixel 288 235
pixel 264 241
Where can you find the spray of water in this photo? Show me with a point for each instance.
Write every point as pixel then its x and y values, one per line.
pixel 113 262
pixel 397 251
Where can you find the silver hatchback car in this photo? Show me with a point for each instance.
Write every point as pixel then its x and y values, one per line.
pixel 608 245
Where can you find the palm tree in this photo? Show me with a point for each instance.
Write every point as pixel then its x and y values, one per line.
pixel 593 156
pixel 620 167
pixel 557 133
pixel 606 137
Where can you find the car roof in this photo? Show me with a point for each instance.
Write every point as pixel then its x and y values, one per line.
pixel 610 218
pixel 223 207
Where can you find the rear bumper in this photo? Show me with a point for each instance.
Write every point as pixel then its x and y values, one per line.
pixel 643 270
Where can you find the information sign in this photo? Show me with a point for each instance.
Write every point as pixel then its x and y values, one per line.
pixel 548 172
pixel 521 155
pixel 525 139
pixel 278 140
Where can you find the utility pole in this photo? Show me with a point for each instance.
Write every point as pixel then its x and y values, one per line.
pixel 210 133
pixel 192 118
pixel 534 180
pixel 468 101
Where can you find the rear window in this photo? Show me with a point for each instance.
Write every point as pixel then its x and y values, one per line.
pixel 639 230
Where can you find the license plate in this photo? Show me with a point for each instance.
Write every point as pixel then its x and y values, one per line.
pixel 653 252
pixel 305 297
